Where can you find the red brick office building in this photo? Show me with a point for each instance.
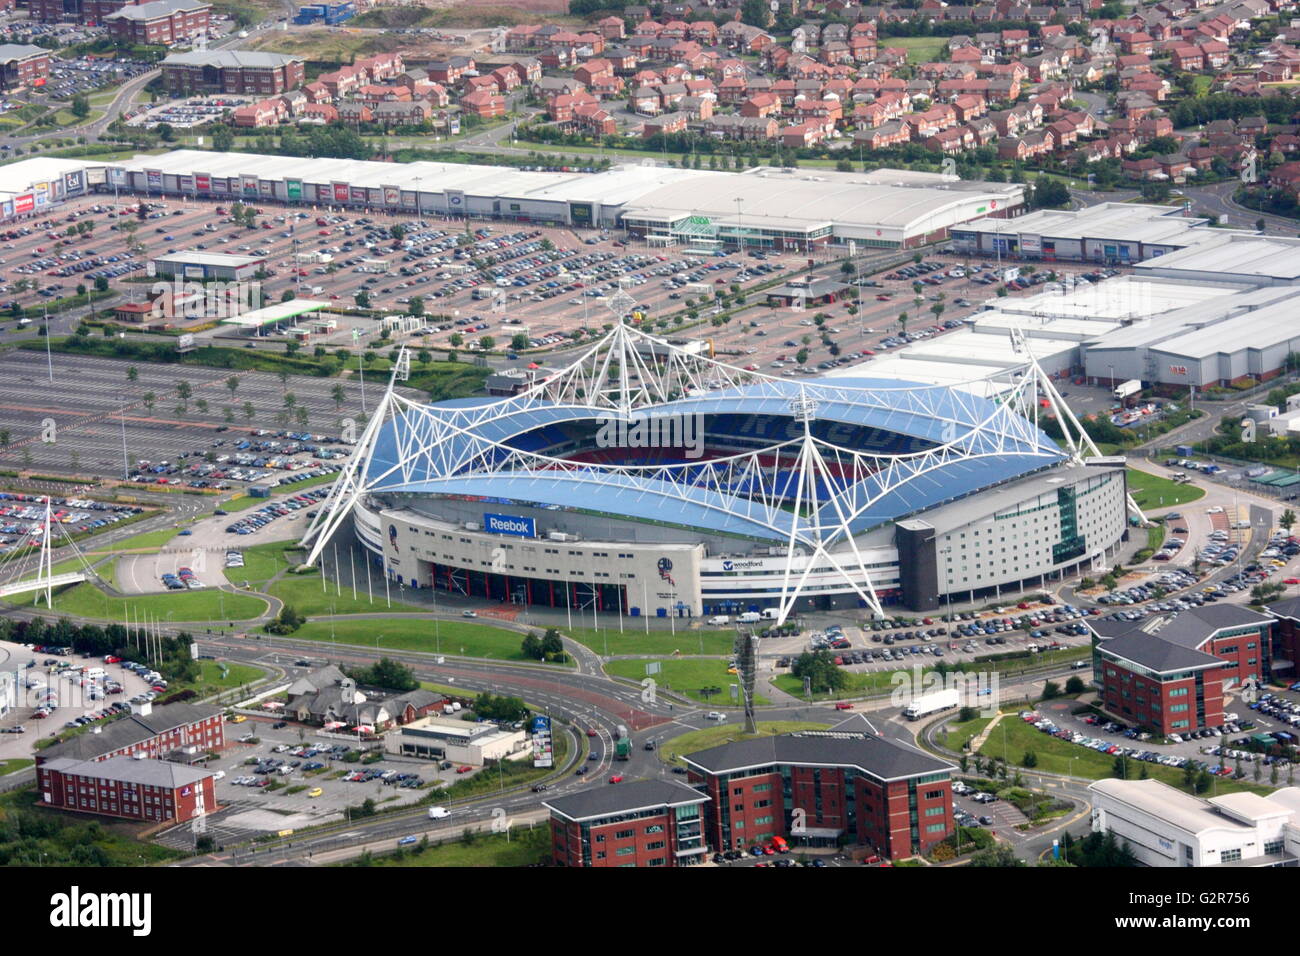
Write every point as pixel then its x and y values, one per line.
pixel 645 823
pixel 160 22
pixel 1170 673
pixel 154 791
pixel 1286 634
pixel 154 732
pixel 823 788
pixel 23 65
pixel 232 71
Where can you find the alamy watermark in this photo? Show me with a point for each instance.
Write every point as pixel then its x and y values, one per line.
pixel 918 688
pixel 638 430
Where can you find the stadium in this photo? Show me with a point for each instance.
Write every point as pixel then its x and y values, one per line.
pixel 645 480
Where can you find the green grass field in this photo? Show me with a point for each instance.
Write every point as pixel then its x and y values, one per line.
pixel 304 592
pixel 919 49
pixel 14 765
pixel 86 600
pixel 144 542
pixel 1054 757
pixel 635 640
pixel 725 734
pixel 686 677
pixel 211 680
pixel 958 732
pixel 1153 492
pixel 261 563
pixel 522 848
pixel 449 637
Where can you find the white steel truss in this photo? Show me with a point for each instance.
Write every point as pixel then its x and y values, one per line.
pixel 630 374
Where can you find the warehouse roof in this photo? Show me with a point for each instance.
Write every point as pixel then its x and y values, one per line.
pixel 1188 813
pixel 1261 329
pixel 195 257
pixel 777 197
pixel 1124 297
pixel 1234 253
pixel 1156 225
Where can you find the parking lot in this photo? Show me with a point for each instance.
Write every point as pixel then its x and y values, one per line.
pixel 22 517
pixel 59 691
pixel 95 409
pixel 296 776
pixel 885 645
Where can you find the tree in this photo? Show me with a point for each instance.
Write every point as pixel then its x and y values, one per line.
pixel 132 373
pixel 416 305
pixel 1030 759
pixel 519 341
pixel 456 340
pixel 821 671
pixel 801 356
pixel 148 398
pixel 1287 520
pixel 1051 689
pixel 531 647
pixel 249 410
pixel 166 132
pixel 222 139
pixel 397 231
pixel 338 393
pixel 184 390
pixel 80 106
pixel 999 855
pixel 487 343
pixel 755 13
pixel 362 299
pixel 1075 685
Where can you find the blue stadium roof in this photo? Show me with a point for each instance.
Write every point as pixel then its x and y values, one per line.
pixel 456 462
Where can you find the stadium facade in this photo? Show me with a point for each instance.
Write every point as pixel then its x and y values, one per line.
pixel 760 493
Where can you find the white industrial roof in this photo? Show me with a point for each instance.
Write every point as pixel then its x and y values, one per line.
pixel 1236 254
pixel 1191 317
pixel 1261 329
pixel 19 177
pixel 1125 297
pixel 936 373
pixel 1129 221
pixel 776 197
pixel 1188 813
pixel 209 258
pixel 969 347
pixel 1042 325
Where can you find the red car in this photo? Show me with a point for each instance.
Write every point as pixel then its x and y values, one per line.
pixel 844 705
pixel 1291 580
pixel 615 779
pixel 110 659
pixel 591 732
pixel 464 769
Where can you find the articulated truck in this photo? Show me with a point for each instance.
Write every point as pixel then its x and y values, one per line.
pixel 928 704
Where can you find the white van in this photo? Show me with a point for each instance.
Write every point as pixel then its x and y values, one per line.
pixel 771 613
pixel 439 813
pixel 750 617
pixel 719 619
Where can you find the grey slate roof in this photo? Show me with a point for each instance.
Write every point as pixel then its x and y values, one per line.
pixel 150 773
pixel 1156 654
pixel 875 756
pixel 126 731
pixel 1191 628
pixel 638 795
